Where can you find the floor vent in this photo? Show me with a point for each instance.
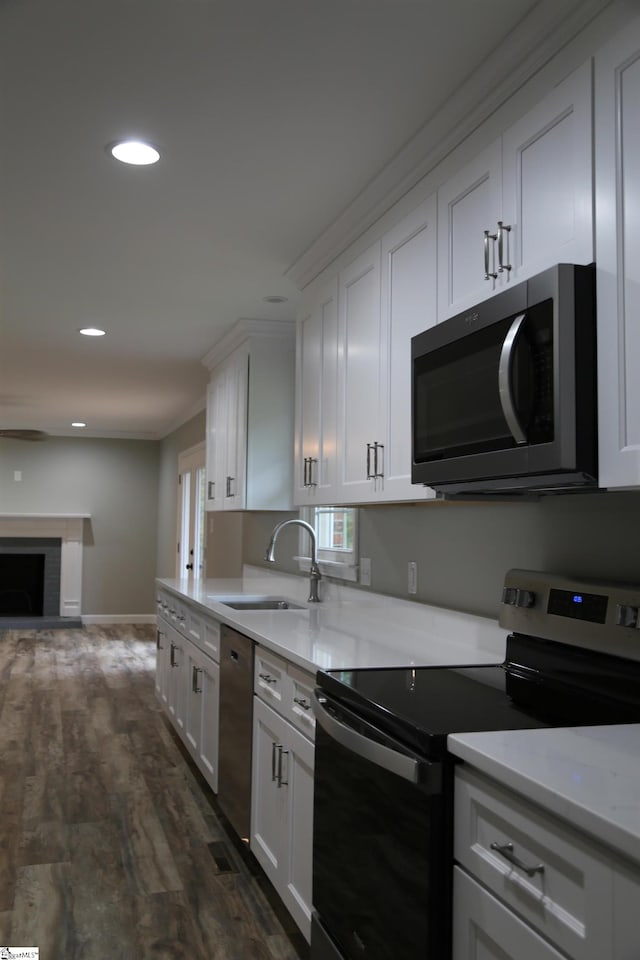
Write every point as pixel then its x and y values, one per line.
pixel 218 851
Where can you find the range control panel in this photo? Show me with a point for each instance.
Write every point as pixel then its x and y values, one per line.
pixel 602 616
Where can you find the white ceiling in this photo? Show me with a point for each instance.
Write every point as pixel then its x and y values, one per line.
pixel 270 115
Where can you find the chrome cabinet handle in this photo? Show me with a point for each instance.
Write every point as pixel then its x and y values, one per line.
pixel 487 274
pixel 506 850
pixel 502 229
pixel 504 380
pixel 172 655
pixel 211 487
pixel 194 679
pixel 273 760
pixel 267 678
pixel 378 474
pixel 280 749
pixel 302 703
pixel 229 482
pixel 311 482
pixel 158 644
pixel 305 471
pixel 369 449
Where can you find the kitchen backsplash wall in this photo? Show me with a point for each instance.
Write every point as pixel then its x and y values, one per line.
pixel 463 549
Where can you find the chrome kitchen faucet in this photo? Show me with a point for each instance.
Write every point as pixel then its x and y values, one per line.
pixel 314 575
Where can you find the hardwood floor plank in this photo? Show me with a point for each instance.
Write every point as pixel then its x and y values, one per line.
pixel 147 857
pixel 42 914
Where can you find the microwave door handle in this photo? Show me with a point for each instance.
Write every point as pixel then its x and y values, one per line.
pixel 416 771
pixel 504 380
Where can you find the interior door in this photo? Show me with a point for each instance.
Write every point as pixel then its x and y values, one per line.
pixel 191 528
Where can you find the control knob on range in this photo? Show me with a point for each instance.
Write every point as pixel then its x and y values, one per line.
pixel 626 615
pixel 517 597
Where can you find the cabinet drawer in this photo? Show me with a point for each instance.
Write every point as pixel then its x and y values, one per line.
pixel 271 679
pixel 205 633
pixel 298 701
pixel 484 927
pixel 566 893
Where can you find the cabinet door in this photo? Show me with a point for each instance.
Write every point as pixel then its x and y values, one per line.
pixel 236 384
pixel 176 690
pixel 162 664
pixel 216 444
pixel 409 306
pixel 192 670
pixel 468 204
pixel 358 388
pixel 298 769
pixel 547 177
pixel 617 128
pixel 484 928
pixel 316 398
pixel 206 688
pixel 269 801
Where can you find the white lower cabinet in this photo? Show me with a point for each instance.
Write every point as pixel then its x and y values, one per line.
pixel 282 802
pixel 187 680
pixel 202 711
pixel 485 928
pixel 528 885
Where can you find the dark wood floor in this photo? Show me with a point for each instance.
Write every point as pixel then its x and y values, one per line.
pixel 111 846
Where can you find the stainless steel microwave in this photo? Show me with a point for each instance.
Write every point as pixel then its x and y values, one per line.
pixel 504 396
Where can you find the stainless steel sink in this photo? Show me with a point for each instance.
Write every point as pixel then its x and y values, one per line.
pixel 259 603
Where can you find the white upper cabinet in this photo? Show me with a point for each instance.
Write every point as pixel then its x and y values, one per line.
pixel 316 390
pixel 524 204
pixel 250 418
pixel 617 120
pixel 469 206
pixel 547 181
pixel 408 306
pixel 359 332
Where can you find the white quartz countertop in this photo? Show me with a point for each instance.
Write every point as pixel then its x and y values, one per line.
pixel 589 776
pixel 349 628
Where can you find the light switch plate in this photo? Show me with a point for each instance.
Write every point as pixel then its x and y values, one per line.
pixel 412 577
pixel 365 571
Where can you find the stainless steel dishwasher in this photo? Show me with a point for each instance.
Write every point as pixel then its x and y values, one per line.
pixel 236 729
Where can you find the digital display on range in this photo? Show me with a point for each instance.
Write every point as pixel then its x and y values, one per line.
pixel 578 606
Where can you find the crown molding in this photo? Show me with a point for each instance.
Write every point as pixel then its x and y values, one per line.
pixel 243 330
pixel 540 36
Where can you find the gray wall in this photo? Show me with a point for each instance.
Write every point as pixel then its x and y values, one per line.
pixel 463 550
pixel 116 481
pixel 188 435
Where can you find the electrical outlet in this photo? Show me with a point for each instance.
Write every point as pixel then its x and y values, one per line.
pixel 412 577
pixel 365 571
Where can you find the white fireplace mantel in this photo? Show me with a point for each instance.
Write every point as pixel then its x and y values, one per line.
pixel 69 528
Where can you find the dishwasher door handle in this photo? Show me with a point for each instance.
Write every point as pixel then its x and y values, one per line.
pixel 409 768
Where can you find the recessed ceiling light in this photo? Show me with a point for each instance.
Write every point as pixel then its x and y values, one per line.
pixel 78 423
pixel 137 152
pixel 91 332
pixel 275 298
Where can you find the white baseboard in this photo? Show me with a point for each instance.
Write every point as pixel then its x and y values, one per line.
pixel 119 618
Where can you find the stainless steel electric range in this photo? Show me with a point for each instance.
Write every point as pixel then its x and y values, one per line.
pixel 382 844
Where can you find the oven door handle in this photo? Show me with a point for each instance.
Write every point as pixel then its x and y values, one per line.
pixel 409 768
pixel 504 380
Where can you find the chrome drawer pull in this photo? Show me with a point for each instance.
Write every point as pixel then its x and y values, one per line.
pixel 267 678
pixel 506 850
pixel 302 703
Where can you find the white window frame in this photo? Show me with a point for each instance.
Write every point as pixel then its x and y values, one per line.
pixel 343 565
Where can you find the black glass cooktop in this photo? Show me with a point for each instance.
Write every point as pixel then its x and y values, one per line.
pixel 420 706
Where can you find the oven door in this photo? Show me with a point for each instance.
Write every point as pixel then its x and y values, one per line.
pixel 381 844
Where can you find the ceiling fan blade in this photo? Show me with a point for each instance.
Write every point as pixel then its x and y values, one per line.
pixel 24 434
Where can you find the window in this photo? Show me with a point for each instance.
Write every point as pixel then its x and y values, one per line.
pixel 337 535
